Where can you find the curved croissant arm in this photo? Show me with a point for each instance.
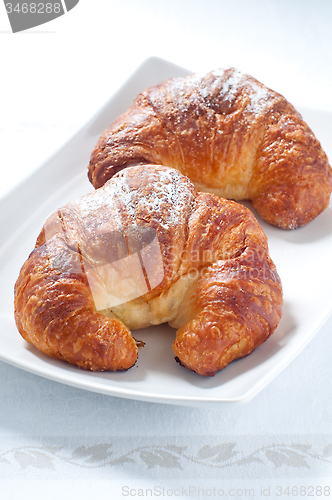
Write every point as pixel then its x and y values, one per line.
pixel 234 307
pixel 55 311
pixel 146 249
pixel 232 136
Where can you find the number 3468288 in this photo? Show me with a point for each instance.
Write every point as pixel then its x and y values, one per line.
pixel 33 8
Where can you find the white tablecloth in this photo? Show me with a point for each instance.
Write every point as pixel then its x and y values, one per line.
pixel 59 442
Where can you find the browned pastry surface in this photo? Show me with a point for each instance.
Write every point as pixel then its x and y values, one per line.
pixel 232 136
pixel 146 249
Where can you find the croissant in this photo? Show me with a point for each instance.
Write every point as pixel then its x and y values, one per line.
pixel 232 136
pixel 146 249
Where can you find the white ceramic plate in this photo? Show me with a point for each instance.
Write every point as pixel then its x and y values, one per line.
pixel 302 258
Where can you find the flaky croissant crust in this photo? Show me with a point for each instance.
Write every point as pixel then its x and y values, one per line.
pixel 207 260
pixel 232 136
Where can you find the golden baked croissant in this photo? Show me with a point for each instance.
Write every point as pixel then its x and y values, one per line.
pixel 232 136
pixel 146 249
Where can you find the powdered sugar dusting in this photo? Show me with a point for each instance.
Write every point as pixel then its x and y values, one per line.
pixel 166 196
pixel 185 91
pixel 219 86
pixel 231 86
pixel 161 193
pixel 260 97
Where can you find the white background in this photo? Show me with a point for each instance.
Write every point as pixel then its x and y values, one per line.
pixel 53 79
